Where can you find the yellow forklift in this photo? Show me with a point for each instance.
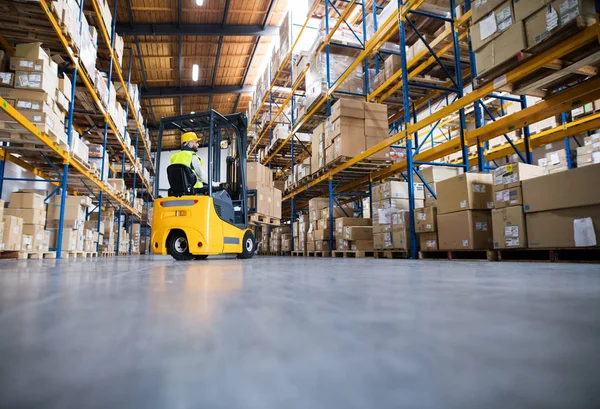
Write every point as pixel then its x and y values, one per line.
pixel 194 223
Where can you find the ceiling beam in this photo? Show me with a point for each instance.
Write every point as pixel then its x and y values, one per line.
pixel 269 13
pixel 205 30
pixel 160 92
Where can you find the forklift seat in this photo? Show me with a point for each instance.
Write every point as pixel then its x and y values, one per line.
pixel 182 181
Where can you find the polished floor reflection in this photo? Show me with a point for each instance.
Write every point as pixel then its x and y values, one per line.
pixel 290 333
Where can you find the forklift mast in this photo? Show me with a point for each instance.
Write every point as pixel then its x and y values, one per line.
pixel 217 128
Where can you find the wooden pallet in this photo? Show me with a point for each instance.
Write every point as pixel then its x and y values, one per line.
pixel 26 255
pixel 78 254
pixel 317 253
pixel 390 254
pixel 580 255
pixel 299 253
pixel 353 253
pixel 107 254
pixel 123 253
pixel 482 255
pixel 276 253
pixel 258 218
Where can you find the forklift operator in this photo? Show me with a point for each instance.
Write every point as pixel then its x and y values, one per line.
pixel 188 157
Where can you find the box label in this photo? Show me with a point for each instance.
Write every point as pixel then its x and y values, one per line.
pixel 465 243
pixel 511 231
pixel 490 205
pixel 504 18
pixel 487 26
pixel 512 242
pixel 551 18
pixel 481 226
pixel 430 244
pixel 421 216
pixel 463 203
pixel 478 188
pixel 569 10
pixel 583 230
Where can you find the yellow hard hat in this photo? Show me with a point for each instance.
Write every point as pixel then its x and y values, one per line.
pixel 189 136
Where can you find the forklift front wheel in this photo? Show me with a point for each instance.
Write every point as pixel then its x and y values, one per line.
pixel 248 246
pixel 178 247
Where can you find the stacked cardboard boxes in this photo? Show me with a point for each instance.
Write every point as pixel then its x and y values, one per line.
pixel 464 212
pixel 318 236
pixel 589 153
pixel 508 218
pixel 503 28
pixel 556 161
pixel 35 93
pixel 278 236
pixel 1 220
pixel 390 223
pixel 268 198
pixel 562 210
pixel 301 232
pixel 426 227
pixel 74 221
pixel 353 233
pixel 11 230
pixel 30 207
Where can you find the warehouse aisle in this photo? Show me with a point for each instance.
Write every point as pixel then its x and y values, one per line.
pixel 284 332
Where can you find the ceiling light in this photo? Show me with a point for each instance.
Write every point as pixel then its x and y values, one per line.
pixel 195 72
pixel 192 113
pixel 200 3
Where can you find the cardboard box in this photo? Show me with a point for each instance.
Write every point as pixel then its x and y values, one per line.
pixel 376 111
pixel 350 128
pixel 525 8
pixel 401 240
pixel 358 233
pixel 359 245
pixel 501 49
pixel 1 235
pixel 1 209
pixel 564 228
pixel 349 108
pixel 508 197
pixel 38 235
pixel 19 200
pixel 7 79
pixel 430 200
pixel 348 146
pixel 337 212
pixel 562 190
pixel 433 174
pixel 465 230
pixel 323 223
pixel 511 175
pixel 322 245
pixel 382 241
pixel 508 226
pixel 425 219
pixel 393 203
pixel 342 222
pixel 428 241
pixel 29 216
pixel 491 26
pixel 483 8
pixel 26 242
pixel 310 246
pixel 320 234
pixel 469 191
pixel 398 190
pixel 276 204
pixel 400 220
pixel 13 229
pixel 254 174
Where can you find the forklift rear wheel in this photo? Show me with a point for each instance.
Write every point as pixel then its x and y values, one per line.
pixel 248 246
pixel 177 245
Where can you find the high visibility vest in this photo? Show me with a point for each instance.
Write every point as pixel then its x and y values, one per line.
pixel 185 158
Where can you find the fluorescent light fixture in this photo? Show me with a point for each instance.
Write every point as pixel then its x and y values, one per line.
pixel 192 113
pixel 200 3
pixel 195 72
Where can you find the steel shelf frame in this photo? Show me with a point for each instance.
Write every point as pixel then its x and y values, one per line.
pixel 61 182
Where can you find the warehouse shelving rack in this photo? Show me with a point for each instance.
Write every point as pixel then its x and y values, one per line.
pixel 407 124
pixel 75 176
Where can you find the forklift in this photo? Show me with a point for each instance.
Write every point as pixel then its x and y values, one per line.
pixel 192 223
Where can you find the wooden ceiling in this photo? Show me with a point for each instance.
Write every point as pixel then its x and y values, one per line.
pixel 157 57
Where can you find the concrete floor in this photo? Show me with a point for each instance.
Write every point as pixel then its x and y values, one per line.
pixel 298 333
